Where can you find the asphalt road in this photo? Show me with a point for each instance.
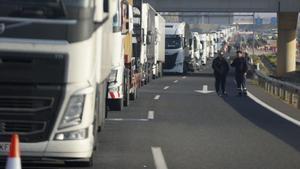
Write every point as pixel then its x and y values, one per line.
pixel 190 130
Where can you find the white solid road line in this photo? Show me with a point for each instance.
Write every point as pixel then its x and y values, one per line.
pixel 151 115
pixel 279 113
pixel 157 97
pixel 166 87
pixel 121 119
pixel 176 81
pixel 184 77
pixel 158 157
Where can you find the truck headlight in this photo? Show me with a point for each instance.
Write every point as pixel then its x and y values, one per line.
pixel 72 135
pixel 73 114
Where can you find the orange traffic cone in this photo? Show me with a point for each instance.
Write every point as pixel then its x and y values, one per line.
pixel 14 160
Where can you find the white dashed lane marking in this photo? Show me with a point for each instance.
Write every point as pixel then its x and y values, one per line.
pixel 166 87
pixel 159 159
pixel 157 97
pixel 151 115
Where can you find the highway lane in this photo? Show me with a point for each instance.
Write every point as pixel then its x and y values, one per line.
pixel 196 131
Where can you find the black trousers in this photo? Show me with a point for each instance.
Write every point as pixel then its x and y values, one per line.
pixel 220 82
pixel 240 82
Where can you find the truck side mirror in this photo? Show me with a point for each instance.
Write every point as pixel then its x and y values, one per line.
pixel 149 39
pixel 127 25
pixel 106 6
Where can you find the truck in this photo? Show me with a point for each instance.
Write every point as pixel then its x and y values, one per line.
pixel 197 49
pixel 144 39
pixel 177 48
pixel 204 50
pixel 211 45
pixel 54 71
pixel 123 81
pixel 160 38
pixel 148 47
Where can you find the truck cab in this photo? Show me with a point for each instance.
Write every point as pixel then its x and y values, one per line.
pixel 53 77
pixel 177 48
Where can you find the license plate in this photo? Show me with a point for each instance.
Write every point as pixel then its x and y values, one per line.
pixel 4 147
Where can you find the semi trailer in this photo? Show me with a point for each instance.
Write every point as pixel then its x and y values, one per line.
pixel 160 38
pixel 124 78
pixel 144 39
pixel 204 51
pixel 197 49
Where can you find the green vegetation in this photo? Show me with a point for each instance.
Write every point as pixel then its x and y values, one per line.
pixel 272 59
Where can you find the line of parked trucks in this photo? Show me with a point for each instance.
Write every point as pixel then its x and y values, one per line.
pixel 65 63
pixel 187 51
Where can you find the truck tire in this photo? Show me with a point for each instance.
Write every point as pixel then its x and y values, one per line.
pixel 185 69
pixel 133 96
pixel 160 70
pixel 116 104
pixel 126 97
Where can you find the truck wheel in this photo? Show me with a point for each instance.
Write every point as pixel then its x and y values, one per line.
pixel 126 94
pixel 126 99
pixel 116 104
pixel 133 96
pixel 185 69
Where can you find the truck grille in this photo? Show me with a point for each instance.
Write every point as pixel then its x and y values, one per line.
pixel 170 61
pixel 25 104
pixel 32 88
pixel 21 127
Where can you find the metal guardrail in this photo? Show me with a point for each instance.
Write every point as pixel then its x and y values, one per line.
pixel 286 91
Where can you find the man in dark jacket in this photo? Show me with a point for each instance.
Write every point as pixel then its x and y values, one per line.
pixel 241 67
pixel 221 68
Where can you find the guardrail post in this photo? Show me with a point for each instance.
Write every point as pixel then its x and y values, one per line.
pixel 281 93
pixel 276 91
pixel 290 97
pixel 273 89
pixel 285 95
pixel 298 101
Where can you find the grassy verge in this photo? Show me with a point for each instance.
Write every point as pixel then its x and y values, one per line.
pixel 272 59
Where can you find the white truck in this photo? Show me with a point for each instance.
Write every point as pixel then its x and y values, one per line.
pixel 147 56
pixel 122 81
pixel 211 45
pixel 204 50
pixel 197 48
pixel 53 77
pixel 160 24
pixel 177 47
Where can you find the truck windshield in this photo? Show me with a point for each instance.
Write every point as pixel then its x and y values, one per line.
pixel 173 42
pixel 47 9
pixel 70 20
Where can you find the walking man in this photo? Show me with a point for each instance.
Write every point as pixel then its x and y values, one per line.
pixel 241 68
pixel 221 69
